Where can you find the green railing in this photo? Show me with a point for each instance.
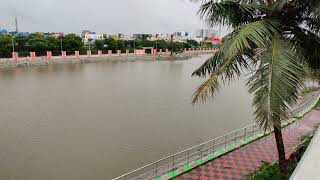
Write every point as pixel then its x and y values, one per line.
pixel 171 166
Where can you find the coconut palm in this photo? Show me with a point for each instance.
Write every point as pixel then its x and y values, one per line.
pixel 271 40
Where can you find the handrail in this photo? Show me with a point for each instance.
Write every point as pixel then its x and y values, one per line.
pixel 186 150
pixel 244 133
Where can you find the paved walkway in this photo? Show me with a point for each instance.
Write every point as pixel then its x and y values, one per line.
pixel 235 165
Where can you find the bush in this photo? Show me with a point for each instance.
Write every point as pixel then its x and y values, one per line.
pixel 266 171
pixel 269 171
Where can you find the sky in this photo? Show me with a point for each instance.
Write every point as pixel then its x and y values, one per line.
pixel 107 16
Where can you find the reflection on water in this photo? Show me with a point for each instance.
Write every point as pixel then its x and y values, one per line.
pixel 97 121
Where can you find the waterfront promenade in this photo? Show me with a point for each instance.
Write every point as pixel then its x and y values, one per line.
pixel 137 55
pixel 233 155
pixel 236 164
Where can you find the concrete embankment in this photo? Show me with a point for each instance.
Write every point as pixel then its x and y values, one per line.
pixel 41 61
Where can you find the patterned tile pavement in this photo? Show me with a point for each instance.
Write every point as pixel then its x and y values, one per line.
pixel 236 164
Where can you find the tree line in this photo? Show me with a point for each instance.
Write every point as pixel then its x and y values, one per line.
pixel 40 43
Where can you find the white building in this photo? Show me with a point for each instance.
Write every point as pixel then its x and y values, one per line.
pixel 91 36
pixel 205 33
pixel 182 34
pixel 126 37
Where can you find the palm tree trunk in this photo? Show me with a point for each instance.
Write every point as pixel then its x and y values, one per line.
pixel 281 153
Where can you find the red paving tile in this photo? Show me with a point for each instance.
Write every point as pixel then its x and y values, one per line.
pixel 235 165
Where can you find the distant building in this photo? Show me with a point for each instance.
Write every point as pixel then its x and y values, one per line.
pixel 25 34
pixel 205 33
pixel 175 37
pixel 182 34
pixel 141 36
pixel 158 37
pixel 54 34
pixel 125 37
pixel 199 40
pixel 3 31
pixel 91 36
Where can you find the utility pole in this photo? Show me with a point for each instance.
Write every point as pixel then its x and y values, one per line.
pixel 13 49
pixel 134 44
pixel 61 43
pixel 16 21
pixel 89 40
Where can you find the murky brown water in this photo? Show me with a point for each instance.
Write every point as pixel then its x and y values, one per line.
pixel 98 121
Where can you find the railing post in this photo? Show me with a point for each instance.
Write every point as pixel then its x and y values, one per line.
pixel 225 143
pixel 156 170
pixel 235 139
pixel 252 131
pixel 188 157
pixel 244 134
pixel 172 162
pixel 213 144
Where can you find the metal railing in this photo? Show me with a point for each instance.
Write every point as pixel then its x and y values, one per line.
pixel 209 149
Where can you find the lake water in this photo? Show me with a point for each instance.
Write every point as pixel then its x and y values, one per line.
pixel 98 121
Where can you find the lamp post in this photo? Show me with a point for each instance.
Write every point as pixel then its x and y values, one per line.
pixel 90 44
pixel 61 47
pixel 12 39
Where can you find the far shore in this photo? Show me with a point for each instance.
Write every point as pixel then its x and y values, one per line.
pixel 10 63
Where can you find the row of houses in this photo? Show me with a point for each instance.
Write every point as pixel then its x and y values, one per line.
pixel 179 36
pixel 90 36
pixel 18 33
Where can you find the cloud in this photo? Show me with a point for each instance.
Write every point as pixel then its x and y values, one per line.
pixel 126 16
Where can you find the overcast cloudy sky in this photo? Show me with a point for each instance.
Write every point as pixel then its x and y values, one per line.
pixel 113 16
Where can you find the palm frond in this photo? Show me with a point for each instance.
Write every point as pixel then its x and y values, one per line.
pixel 222 71
pixel 230 12
pixel 253 35
pixel 275 83
pixel 306 13
pixel 278 6
pixel 310 45
pixel 207 89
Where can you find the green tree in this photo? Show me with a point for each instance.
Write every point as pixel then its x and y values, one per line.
pixel 5 46
pixel 272 39
pixel 175 47
pixel 72 42
pixel 21 43
pixel 121 45
pixel 99 45
pixel 53 43
pixel 111 44
pixel 37 43
pixel 162 44
pixel 193 43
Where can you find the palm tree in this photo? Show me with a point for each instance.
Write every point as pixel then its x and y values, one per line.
pixel 271 40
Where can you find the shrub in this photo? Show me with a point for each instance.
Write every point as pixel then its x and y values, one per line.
pixel 266 171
